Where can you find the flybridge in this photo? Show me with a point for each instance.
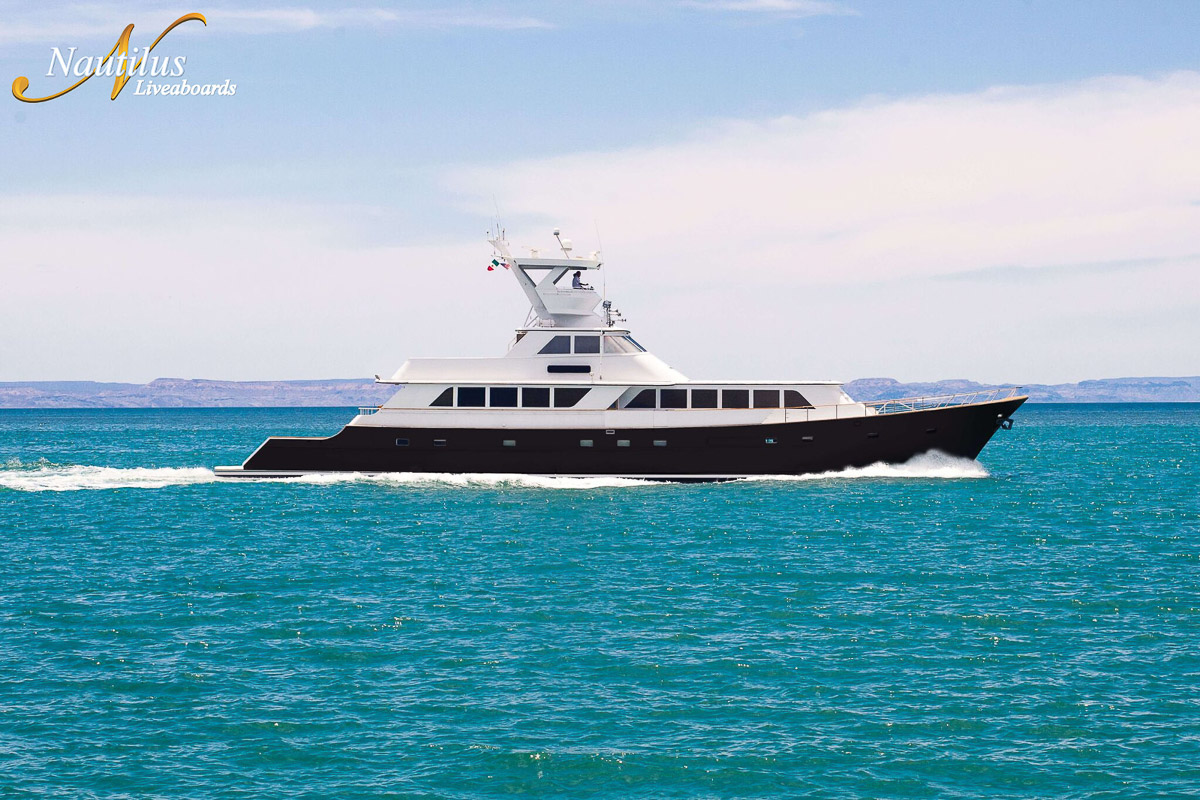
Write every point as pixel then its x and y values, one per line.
pixel 557 301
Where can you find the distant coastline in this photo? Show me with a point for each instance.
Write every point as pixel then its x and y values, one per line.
pixel 188 393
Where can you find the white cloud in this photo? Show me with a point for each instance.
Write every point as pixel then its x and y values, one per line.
pixel 171 287
pixel 750 221
pixel 791 8
pixel 1017 234
pixel 42 24
pixel 298 19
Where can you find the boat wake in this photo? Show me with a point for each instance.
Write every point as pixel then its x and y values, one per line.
pixel 45 477
pixel 926 466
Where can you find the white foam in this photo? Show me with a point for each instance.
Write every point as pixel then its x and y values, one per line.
pixel 73 478
pixel 925 466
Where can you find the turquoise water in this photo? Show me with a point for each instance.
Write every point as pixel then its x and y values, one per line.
pixel 1028 627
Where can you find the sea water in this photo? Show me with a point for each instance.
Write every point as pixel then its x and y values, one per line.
pixel 1027 625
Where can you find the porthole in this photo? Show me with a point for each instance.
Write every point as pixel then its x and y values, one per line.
pixel 402 443
pixel 660 442
pixel 585 442
pixel 439 442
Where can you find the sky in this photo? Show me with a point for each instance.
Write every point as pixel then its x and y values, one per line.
pixel 781 189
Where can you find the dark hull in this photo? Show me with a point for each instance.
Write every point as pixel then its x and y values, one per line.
pixel 708 453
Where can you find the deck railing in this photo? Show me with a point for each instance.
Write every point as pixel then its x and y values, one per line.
pixel 367 411
pixel 942 400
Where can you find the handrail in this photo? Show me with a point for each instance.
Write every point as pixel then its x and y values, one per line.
pixel 942 400
pixel 367 411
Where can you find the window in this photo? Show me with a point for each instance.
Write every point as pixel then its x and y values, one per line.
pixel 402 443
pixel 770 441
pixel 766 398
pixel 470 397
pixel 535 397
pixel 558 346
pixel 704 398
pixel 446 398
pixel 503 397
pixel 568 398
pixel 439 442
pixel 619 344
pixel 660 442
pixel 510 442
pixel 735 398
pixel 622 443
pixel 634 342
pixel 673 398
pixel 576 369
pixel 587 345
pixel 793 399
pixel 646 398
pixel 585 442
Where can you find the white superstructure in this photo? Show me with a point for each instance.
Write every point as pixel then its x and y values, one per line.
pixel 571 367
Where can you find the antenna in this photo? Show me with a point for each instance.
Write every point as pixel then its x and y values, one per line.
pixel 603 276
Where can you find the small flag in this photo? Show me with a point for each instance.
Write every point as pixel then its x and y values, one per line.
pixel 497 263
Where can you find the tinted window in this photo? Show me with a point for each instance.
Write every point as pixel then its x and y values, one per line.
pixel 470 396
pixel 402 443
pixel 673 398
pixel 793 399
pixel 559 345
pixel 704 398
pixel 587 344
pixel 634 342
pixel 644 399
pixel 618 344
pixel 535 397
pixel 766 398
pixel 735 398
pixel 568 398
pixel 446 398
pixel 504 396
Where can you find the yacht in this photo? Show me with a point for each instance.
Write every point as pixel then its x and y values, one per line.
pixel 577 395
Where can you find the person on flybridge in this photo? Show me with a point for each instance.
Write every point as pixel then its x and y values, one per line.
pixel 577 281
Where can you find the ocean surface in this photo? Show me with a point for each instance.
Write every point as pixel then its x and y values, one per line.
pixel 1025 626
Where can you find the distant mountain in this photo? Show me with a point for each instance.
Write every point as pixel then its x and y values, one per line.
pixel 1106 390
pixel 183 393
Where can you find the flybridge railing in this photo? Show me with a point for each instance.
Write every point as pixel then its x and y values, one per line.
pixel 942 400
